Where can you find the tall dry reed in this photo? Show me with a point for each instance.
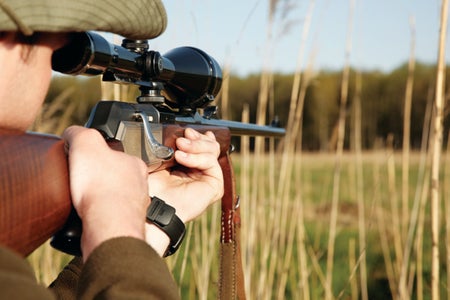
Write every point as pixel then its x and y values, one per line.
pixel 339 151
pixel 407 129
pixel 447 209
pixel 292 145
pixel 417 213
pixel 359 178
pixel 437 149
pixel 405 160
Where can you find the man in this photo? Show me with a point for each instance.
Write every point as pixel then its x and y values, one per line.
pixel 121 251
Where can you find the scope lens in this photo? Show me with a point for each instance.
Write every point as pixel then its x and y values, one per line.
pixel 196 80
pixel 72 58
pixel 87 53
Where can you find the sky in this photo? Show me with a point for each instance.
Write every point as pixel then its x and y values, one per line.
pixel 304 33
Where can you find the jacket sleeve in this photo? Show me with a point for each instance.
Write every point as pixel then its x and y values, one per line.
pixel 65 285
pixel 17 280
pixel 126 268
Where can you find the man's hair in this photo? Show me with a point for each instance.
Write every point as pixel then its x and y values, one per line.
pixel 28 41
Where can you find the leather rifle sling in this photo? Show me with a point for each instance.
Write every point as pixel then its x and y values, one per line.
pixel 231 275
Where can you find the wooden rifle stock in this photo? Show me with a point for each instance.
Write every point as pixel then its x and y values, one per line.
pixel 34 189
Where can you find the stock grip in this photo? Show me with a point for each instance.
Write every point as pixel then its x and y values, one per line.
pixel 68 238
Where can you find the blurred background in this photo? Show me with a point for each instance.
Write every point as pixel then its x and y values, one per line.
pixel 353 202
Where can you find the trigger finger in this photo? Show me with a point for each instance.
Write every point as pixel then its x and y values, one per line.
pixel 198 146
pixel 196 161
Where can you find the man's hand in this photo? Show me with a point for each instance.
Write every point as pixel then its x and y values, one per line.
pixel 198 183
pixel 191 188
pixel 109 188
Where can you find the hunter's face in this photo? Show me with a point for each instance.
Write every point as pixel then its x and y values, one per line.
pixel 25 76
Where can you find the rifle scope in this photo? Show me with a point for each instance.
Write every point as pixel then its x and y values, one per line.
pixel 190 77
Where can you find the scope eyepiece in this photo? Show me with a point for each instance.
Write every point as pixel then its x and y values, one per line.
pixel 191 78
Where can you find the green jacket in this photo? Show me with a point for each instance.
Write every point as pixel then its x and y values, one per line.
pixel 120 268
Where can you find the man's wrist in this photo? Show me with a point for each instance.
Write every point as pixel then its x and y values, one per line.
pixel 156 238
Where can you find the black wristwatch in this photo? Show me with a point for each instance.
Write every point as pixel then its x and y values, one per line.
pixel 164 217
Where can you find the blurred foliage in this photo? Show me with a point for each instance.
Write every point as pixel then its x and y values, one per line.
pixel 382 98
pixel 68 102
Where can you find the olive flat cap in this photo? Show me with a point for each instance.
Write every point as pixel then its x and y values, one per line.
pixel 134 19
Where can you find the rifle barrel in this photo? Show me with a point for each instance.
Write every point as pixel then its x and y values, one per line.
pixel 236 128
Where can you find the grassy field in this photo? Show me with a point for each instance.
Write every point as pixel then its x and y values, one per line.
pixel 285 238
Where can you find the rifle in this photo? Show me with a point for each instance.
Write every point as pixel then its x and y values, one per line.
pixel 174 89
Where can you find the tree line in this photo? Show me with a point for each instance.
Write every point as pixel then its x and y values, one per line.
pixel 382 100
pixel 382 105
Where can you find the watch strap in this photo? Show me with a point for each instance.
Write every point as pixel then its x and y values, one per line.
pixel 163 216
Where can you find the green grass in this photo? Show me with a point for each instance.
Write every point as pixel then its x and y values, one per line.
pixel 315 189
pixel 271 252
